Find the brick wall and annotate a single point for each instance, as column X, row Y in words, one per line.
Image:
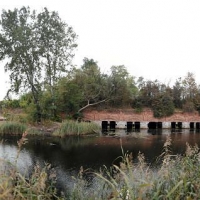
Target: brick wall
column 130, row 115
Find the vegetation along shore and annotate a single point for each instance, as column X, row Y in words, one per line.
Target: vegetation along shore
column 175, row 177
column 51, row 95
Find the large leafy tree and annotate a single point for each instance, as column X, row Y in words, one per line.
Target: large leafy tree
column 122, row 87
column 91, row 82
column 70, row 96
column 149, row 90
column 37, row 48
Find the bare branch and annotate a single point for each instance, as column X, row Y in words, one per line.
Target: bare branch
column 91, row 104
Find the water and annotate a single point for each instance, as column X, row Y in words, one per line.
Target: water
column 69, row 154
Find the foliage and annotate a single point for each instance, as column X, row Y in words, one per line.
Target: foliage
column 48, row 106
column 122, row 85
column 38, row 48
column 188, row 107
column 69, row 95
column 12, row 128
column 70, row 127
column 10, row 104
column 90, row 81
column 189, row 86
column 163, row 106
column 18, row 117
column 40, row 184
column 32, row 131
column 177, row 177
column 177, row 94
column 197, row 103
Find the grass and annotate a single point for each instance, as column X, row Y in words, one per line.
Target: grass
column 15, row 186
column 70, row 127
column 10, row 127
column 176, row 177
column 63, row 129
column 40, row 184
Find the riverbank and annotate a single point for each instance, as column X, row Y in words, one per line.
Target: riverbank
column 66, row 128
column 129, row 114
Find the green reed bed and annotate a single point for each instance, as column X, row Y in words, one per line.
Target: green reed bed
column 177, row 177
column 14, row 128
column 70, row 127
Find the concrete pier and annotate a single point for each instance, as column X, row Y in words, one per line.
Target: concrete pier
column 111, row 125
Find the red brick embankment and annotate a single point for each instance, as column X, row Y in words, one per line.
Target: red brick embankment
column 130, row 115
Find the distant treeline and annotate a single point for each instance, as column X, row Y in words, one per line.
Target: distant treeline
column 87, row 86
column 38, row 47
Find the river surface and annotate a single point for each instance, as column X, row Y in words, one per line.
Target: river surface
column 67, row 155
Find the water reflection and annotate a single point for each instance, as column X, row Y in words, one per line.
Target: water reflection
column 10, row 154
column 69, row 154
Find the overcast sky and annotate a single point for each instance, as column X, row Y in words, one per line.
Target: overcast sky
column 156, row 39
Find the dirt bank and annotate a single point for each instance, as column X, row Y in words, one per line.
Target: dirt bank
column 131, row 115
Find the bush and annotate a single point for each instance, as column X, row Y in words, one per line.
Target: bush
column 189, row 107
column 163, row 106
column 10, row 104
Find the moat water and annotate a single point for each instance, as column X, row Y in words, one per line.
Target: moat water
column 67, row 155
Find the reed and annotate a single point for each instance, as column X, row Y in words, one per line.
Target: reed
column 10, row 127
column 177, row 177
column 70, row 127
column 32, row 131
column 40, row 184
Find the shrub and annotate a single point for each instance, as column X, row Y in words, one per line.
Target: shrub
column 189, row 107
column 163, row 106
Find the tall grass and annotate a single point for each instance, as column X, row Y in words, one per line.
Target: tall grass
column 40, row 184
column 15, row 128
column 177, row 177
column 70, row 127
column 13, row 185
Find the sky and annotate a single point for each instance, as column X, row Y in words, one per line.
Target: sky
column 155, row 39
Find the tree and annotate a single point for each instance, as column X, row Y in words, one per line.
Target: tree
column 189, row 86
column 69, row 95
column 122, row 85
column 90, row 81
column 148, row 91
column 163, row 105
column 177, row 93
column 38, row 47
